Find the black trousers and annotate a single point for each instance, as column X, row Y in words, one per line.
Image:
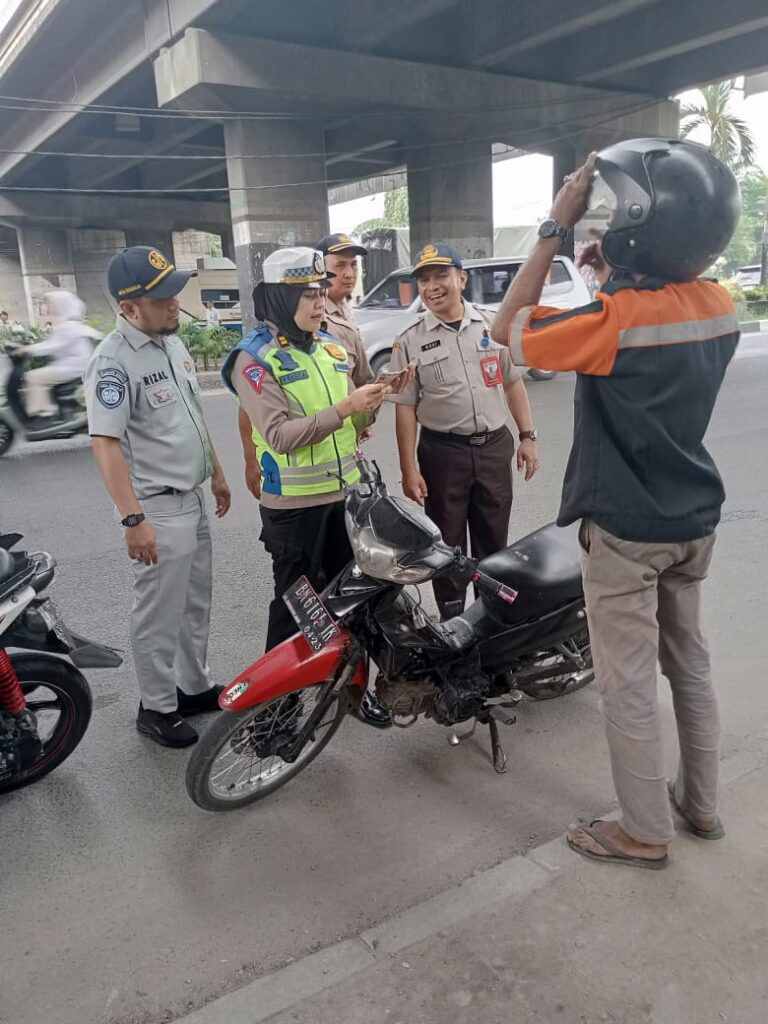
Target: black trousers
column 469, row 487
column 309, row 542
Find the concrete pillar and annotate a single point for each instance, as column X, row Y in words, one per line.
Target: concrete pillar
column 270, row 208
column 159, row 239
column 450, row 197
column 46, row 264
column 12, row 296
column 92, row 249
column 563, row 162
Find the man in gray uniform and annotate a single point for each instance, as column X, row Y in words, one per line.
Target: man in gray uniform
column 153, row 449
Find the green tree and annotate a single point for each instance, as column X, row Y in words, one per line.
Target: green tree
column 744, row 247
column 729, row 136
column 395, row 213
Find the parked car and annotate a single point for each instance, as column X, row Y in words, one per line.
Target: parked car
column 748, row 277
column 389, row 307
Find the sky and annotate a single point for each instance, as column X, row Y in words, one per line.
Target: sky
column 522, row 185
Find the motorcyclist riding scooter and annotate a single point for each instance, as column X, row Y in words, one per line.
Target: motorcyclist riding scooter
column 51, row 405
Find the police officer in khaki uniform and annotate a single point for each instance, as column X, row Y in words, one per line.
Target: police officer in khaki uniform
column 341, row 254
column 152, row 446
column 463, row 391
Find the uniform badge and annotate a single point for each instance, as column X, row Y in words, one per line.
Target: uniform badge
column 491, row 367
column 111, row 388
column 254, row 374
column 188, row 366
column 157, row 260
column 163, row 396
column 335, row 351
column 318, row 262
column 427, row 253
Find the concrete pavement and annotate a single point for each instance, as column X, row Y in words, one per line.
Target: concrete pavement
column 125, row 903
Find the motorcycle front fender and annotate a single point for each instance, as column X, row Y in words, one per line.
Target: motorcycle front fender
column 293, row 665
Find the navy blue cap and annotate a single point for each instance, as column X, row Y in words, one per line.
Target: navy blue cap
column 439, row 255
column 340, row 243
column 142, row 270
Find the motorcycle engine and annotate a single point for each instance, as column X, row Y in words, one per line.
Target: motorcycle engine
column 447, row 698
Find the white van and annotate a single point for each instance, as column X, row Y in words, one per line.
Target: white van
column 390, row 306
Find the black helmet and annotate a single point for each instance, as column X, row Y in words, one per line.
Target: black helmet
column 675, row 206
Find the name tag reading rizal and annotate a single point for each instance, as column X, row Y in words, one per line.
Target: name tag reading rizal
column 310, row 614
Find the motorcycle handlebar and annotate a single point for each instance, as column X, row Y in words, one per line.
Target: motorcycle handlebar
column 486, row 585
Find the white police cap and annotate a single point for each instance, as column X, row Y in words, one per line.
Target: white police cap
column 299, row 265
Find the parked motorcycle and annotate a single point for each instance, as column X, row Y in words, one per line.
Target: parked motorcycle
column 45, row 701
column 14, row 418
column 526, row 634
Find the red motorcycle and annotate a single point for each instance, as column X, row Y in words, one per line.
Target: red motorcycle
column 526, row 634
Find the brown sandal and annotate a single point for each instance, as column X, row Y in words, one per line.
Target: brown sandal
column 613, row 854
column 716, row 832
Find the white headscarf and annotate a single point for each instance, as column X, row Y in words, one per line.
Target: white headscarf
column 67, row 311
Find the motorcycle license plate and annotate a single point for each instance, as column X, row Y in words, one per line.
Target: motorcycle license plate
column 310, row 614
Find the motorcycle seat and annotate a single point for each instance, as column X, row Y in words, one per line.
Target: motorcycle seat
column 544, row 568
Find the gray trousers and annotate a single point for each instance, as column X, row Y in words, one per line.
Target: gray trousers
column 171, row 613
column 644, row 606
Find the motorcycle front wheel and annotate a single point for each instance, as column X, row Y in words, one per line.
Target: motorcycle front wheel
column 6, row 437
column 60, row 699
column 237, row 762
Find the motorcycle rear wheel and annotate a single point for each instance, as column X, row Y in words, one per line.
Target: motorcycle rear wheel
column 60, row 698
column 227, row 769
column 571, row 679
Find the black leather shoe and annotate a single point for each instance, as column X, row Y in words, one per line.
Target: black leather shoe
column 372, row 713
column 197, row 703
column 168, row 729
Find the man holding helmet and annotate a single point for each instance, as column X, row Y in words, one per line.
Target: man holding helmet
column 650, row 353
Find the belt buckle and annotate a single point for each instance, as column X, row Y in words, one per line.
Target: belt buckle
column 478, row 439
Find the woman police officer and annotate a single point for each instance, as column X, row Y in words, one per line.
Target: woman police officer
column 292, row 380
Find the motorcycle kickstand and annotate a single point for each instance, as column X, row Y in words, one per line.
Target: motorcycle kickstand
column 455, row 738
column 498, row 756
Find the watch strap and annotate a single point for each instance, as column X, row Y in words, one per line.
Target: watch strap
column 135, row 519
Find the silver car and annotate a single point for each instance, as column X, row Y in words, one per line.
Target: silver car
column 389, row 307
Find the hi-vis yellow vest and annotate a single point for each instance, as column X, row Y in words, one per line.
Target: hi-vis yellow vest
column 311, row 381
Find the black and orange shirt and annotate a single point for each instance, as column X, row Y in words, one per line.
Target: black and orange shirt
column 650, row 358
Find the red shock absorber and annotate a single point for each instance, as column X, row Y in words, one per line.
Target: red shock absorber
column 11, row 694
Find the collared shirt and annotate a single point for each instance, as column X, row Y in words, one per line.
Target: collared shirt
column 650, row 358
column 460, row 374
column 341, row 324
column 145, row 393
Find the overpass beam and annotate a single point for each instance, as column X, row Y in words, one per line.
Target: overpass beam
column 450, row 198
column 275, row 200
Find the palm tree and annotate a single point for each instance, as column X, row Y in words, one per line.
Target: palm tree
column 730, row 137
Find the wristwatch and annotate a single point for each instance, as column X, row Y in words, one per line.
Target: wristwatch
column 550, row 228
column 528, row 435
column 133, row 520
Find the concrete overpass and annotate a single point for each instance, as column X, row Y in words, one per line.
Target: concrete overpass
column 139, row 117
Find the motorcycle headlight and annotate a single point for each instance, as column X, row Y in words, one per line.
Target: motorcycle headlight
column 380, row 560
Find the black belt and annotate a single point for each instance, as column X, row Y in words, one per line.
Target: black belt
column 473, row 439
column 165, row 490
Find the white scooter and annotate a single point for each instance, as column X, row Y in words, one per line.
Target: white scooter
column 71, row 418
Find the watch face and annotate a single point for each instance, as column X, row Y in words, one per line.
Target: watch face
column 548, row 228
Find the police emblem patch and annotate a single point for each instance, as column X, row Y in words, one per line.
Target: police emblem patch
column 111, row 388
column 254, row 374
column 318, row 262
column 157, row 260
column 427, row 253
column 188, row 366
column 163, row 396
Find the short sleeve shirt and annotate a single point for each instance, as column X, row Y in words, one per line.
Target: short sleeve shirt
column 145, row 393
column 460, row 375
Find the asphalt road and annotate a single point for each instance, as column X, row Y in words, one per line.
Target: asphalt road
column 123, row 902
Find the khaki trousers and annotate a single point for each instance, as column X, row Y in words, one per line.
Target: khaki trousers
column 38, row 383
column 643, row 606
